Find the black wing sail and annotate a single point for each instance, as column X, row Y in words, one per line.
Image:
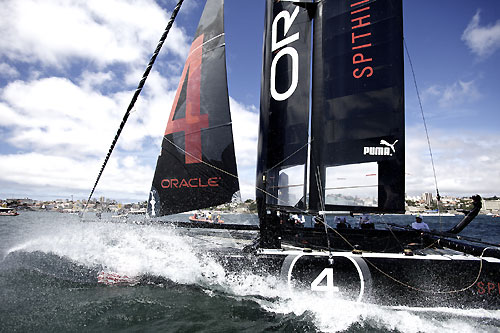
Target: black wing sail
column 197, row 165
column 284, row 105
column 357, row 149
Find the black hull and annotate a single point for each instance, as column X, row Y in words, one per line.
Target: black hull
column 374, row 240
column 454, row 281
column 210, row 225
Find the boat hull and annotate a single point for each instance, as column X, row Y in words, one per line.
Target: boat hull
column 385, row 279
column 11, row 213
column 204, row 220
column 374, row 240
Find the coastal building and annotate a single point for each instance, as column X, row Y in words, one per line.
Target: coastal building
column 491, row 206
column 427, row 197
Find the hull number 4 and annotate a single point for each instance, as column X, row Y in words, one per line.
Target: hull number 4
column 328, row 288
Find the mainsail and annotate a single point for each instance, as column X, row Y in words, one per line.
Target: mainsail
column 197, row 166
column 284, row 104
column 355, row 159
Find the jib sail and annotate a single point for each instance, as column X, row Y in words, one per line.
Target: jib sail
column 197, row 166
column 355, row 160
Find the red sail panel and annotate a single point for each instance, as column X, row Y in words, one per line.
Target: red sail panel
column 197, row 165
column 193, row 122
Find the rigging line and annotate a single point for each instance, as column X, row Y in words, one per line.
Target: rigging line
column 322, row 204
column 289, row 156
column 347, row 187
column 200, row 160
column 317, row 176
column 433, row 291
column 224, row 171
column 392, row 232
column 183, row 133
column 288, row 186
column 341, row 236
column 136, row 95
column 418, row 289
column 431, row 245
column 423, row 118
column 303, row 211
column 206, row 42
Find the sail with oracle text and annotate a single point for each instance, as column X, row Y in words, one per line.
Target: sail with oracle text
column 197, row 165
column 332, row 139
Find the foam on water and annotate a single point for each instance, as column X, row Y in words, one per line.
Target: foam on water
column 334, row 315
column 125, row 249
column 137, row 250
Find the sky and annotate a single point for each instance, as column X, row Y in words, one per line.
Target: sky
column 68, row 69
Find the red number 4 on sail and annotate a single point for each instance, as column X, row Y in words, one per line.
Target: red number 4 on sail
column 192, row 124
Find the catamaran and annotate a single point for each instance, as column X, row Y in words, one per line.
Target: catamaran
column 331, row 141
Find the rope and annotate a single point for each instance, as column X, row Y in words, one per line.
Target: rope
column 322, row 204
column 405, row 284
column 289, row 156
column 424, row 121
column 221, row 170
column 340, row 235
column 392, row 232
column 136, row 95
column 343, row 238
column 432, row 291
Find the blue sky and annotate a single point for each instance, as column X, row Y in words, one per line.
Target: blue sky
column 69, row 68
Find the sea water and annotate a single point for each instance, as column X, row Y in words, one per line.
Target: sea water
column 49, row 264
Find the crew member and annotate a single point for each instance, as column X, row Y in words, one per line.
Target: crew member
column 419, row 224
column 342, row 223
column 318, row 221
column 366, row 223
column 296, row 220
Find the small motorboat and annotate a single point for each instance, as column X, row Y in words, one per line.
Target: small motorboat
column 206, row 217
column 6, row 211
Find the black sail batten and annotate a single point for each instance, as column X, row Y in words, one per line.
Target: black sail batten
column 197, row 165
column 284, row 105
column 358, row 106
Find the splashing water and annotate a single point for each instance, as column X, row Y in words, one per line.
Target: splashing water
column 155, row 250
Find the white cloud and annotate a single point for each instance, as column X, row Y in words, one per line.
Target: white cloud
column 65, row 174
column 91, row 80
column 69, row 147
column 54, row 115
column 245, row 132
column 466, row 163
column 62, row 125
column 69, row 127
column 483, row 41
column 8, row 71
column 454, row 94
column 56, row 32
